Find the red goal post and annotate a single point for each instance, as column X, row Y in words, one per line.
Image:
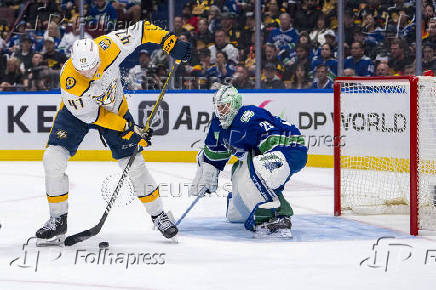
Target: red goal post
column 384, row 158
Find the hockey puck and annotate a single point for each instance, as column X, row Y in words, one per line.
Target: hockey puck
column 103, row 245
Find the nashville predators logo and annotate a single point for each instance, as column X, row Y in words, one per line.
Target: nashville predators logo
column 70, row 82
column 105, row 43
column 61, row 134
column 108, row 97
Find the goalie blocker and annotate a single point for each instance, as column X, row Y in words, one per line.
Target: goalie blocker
column 269, row 150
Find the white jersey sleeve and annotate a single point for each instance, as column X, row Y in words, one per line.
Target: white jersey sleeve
column 84, row 108
column 133, row 36
column 100, row 100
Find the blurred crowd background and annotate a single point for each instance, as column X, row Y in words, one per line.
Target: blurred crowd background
column 299, row 43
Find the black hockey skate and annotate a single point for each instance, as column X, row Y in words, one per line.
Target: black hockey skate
column 165, row 225
column 276, row 227
column 53, row 232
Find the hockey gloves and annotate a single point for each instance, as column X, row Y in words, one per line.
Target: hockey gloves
column 137, row 134
column 178, row 49
column 206, row 176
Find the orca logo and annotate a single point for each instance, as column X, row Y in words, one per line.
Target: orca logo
column 160, row 123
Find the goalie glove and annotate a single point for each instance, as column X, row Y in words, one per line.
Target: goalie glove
column 177, row 48
column 137, row 134
column 206, row 176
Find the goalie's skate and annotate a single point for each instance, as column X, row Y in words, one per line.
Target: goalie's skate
column 278, row 227
column 165, row 225
column 53, row 232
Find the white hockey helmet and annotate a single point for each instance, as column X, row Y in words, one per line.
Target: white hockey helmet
column 85, row 55
column 227, row 102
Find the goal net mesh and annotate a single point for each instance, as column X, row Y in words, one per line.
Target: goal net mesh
column 375, row 148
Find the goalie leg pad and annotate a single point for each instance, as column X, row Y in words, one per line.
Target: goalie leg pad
column 272, row 168
column 144, row 185
column 276, row 167
column 265, row 212
column 56, row 181
column 250, row 203
column 245, row 194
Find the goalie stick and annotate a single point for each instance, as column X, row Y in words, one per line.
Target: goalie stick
column 200, row 195
column 86, row 234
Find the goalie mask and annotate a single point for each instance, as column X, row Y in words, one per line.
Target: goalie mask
column 227, row 102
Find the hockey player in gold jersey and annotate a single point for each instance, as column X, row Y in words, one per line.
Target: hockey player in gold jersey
column 93, row 98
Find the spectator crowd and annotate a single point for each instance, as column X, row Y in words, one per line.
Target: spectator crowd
column 299, row 41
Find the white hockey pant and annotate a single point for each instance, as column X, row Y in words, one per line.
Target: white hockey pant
column 57, row 185
column 144, row 185
column 56, row 181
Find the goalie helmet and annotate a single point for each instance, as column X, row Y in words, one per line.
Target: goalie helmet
column 85, row 55
column 227, row 102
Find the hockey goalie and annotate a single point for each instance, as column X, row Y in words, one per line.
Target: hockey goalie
column 93, row 98
column 269, row 150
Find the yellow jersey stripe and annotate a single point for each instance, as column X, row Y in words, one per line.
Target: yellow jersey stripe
column 109, row 52
column 57, row 199
column 72, row 81
column 151, row 197
column 152, row 33
column 123, row 108
column 110, row 120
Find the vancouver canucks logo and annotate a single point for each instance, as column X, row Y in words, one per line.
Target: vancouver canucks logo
column 271, row 162
column 70, row 82
column 105, row 43
column 247, row 116
column 229, row 147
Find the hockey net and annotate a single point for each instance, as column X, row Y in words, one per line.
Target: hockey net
column 385, row 156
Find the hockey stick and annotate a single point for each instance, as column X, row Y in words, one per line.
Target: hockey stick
column 200, row 195
column 86, row 234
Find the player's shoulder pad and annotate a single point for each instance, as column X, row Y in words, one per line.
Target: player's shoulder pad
column 248, row 114
column 72, row 81
column 109, row 52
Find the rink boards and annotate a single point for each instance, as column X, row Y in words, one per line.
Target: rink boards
column 179, row 126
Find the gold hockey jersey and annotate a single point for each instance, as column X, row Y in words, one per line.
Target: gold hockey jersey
column 100, row 100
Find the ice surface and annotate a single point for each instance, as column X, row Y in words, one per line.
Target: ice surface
column 327, row 252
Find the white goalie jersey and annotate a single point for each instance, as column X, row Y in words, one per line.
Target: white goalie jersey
column 100, row 100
